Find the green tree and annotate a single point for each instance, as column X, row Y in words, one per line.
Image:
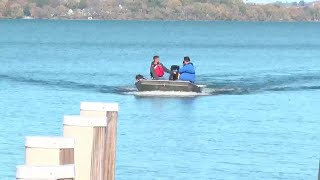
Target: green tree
column 155, row 3
column 173, row 4
column 82, row 4
column 15, row 10
column 40, row 3
column 302, row 3
column 3, row 7
column 72, row 4
column 26, row 10
column 54, row 3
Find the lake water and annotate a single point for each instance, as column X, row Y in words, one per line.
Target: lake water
column 257, row 118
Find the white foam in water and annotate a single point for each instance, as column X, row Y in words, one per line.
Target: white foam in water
column 202, row 86
column 204, row 92
column 166, row 94
column 130, row 88
column 216, row 91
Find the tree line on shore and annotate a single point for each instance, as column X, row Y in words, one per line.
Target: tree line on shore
column 235, row 10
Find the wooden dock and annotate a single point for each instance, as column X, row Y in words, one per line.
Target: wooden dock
column 86, row 151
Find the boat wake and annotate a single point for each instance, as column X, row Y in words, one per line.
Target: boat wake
column 224, row 84
column 205, row 91
column 165, row 94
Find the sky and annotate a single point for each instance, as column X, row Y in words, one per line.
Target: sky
column 269, row 1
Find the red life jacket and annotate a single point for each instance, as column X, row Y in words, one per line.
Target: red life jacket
column 158, row 69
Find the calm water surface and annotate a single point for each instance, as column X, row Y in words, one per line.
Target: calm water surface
column 258, row 117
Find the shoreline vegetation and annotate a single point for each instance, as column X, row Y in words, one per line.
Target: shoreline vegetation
column 228, row 10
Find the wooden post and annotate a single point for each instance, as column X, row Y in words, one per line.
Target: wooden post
column 110, row 111
column 319, row 171
column 47, row 151
column 61, row 172
column 90, row 145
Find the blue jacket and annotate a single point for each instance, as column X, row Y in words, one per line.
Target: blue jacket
column 187, row 73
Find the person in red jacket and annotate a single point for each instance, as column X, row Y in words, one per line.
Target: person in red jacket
column 157, row 69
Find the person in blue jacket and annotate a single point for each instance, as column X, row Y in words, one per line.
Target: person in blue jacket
column 187, row 72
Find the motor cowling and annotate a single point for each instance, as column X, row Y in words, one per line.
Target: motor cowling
column 175, row 72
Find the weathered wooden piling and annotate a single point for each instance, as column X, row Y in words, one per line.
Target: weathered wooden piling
column 86, row 152
column 319, row 171
column 48, row 151
column 90, row 145
column 61, row 172
column 110, row 111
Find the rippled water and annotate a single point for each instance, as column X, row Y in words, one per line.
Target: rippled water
column 257, row 117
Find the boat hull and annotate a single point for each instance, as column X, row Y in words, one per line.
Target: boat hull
column 166, row 85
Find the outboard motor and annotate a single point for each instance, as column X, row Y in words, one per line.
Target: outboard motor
column 139, row 77
column 174, row 68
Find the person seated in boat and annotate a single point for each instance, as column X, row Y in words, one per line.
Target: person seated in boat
column 157, row 69
column 187, row 72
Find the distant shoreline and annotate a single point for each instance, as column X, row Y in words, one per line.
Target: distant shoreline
column 150, row 20
column 160, row 10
